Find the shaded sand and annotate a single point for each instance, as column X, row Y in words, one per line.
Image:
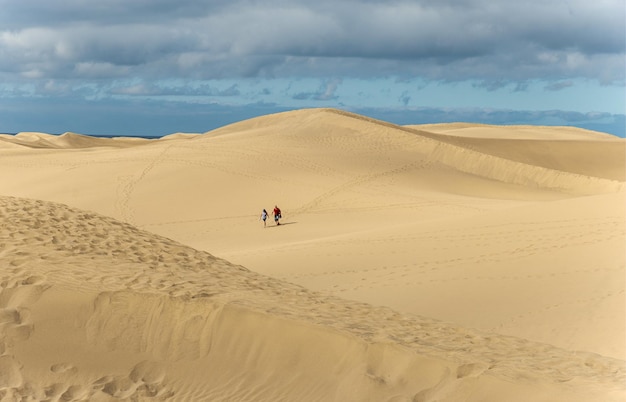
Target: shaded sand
column 512, row 240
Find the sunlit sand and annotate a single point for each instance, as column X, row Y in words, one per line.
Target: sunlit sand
column 421, row 263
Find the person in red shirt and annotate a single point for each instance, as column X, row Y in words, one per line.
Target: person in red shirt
column 277, row 214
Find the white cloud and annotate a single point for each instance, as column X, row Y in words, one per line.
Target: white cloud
column 32, row 73
column 96, row 70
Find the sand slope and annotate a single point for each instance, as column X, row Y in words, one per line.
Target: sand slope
column 568, row 149
column 94, row 309
column 522, row 236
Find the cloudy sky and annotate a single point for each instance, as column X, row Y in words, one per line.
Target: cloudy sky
column 153, row 67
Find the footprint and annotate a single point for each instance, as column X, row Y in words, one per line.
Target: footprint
column 76, row 393
column 147, row 372
column 9, row 316
column 471, row 370
column 63, row 368
column 10, row 373
column 121, row 388
column 33, row 280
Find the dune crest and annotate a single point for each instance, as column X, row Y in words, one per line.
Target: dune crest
column 168, row 313
column 487, row 159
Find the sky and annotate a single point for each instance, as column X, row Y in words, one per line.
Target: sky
column 155, row 67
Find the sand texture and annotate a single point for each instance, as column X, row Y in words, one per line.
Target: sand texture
column 454, row 262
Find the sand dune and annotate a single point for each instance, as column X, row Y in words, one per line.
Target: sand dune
column 563, row 149
column 67, row 141
column 511, row 240
column 514, row 132
column 93, row 308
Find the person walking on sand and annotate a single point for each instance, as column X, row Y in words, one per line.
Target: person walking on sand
column 277, row 214
column 264, row 216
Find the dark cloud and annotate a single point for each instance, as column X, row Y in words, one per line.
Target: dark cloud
column 456, row 40
column 303, row 96
column 34, row 13
column 325, row 92
column 557, row 86
column 148, row 90
column 405, row 98
column 491, row 85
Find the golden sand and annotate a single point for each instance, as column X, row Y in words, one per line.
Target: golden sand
column 455, row 262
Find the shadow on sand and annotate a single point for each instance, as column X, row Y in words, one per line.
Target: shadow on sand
column 282, row 224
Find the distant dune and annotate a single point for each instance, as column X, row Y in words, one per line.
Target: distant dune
column 514, row 132
column 413, row 263
column 66, row 141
